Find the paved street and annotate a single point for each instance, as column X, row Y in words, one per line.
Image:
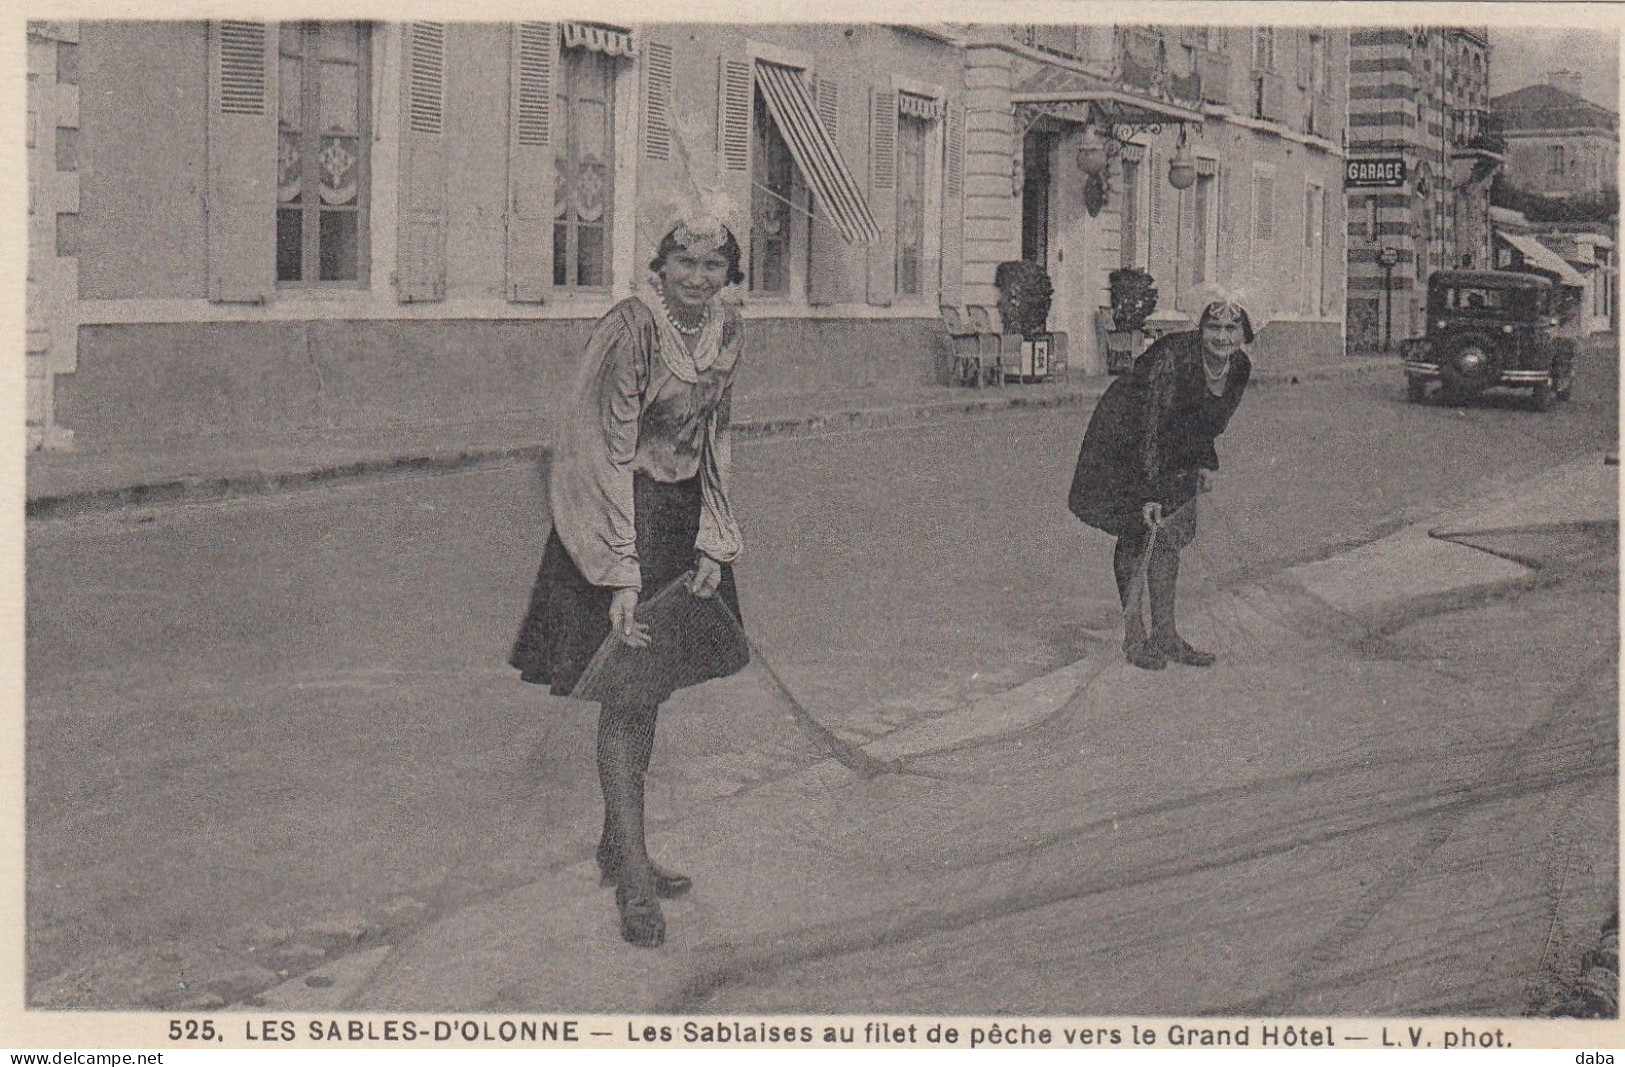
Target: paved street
column 267, row 734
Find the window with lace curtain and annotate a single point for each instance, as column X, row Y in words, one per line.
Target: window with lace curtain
column 584, row 165
column 323, row 112
column 911, row 145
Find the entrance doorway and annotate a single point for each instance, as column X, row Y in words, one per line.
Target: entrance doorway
column 1036, row 151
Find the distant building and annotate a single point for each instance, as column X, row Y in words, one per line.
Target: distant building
column 1419, row 95
column 1558, row 143
column 1578, row 258
column 1097, row 116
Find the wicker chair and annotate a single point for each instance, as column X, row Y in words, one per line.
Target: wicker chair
column 967, row 349
column 994, row 343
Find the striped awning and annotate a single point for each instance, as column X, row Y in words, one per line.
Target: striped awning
column 919, row 107
column 1542, row 258
column 594, row 38
column 815, row 152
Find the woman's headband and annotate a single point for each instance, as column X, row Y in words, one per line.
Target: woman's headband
column 701, row 235
column 1225, row 312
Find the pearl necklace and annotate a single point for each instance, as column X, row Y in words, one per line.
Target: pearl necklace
column 676, row 323
column 1215, row 382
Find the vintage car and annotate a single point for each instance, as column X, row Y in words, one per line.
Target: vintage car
column 1491, row 328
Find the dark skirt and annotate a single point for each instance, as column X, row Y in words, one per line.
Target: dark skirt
column 568, row 618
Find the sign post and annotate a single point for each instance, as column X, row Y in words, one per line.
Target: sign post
column 1388, row 257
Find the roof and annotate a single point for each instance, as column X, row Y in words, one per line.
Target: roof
column 1546, row 107
column 1542, row 258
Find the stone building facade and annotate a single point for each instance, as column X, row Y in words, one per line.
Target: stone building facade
column 1418, row 94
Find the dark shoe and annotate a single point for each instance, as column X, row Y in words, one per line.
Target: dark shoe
column 669, row 885
column 1180, row 650
column 1144, row 655
column 641, row 922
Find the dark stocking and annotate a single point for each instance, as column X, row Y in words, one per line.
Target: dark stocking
column 625, row 741
column 1161, row 577
column 626, row 737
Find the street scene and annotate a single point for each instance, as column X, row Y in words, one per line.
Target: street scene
column 294, row 465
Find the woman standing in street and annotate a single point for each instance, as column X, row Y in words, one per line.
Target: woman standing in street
column 1146, row 455
column 639, row 495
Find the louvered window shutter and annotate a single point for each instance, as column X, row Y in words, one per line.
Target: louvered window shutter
column 420, row 271
column 657, row 102
column 1156, row 237
column 953, row 208
column 736, row 89
column 883, row 193
column 1265, row 229
column 242, row 166
column 533, row 61
column 1154, row 159
column 827, row 263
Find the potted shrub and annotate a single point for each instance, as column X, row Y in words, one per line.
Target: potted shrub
column 1025, row 295
column 1133, row 299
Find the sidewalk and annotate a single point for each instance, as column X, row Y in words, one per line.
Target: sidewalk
column 62, row 484
column 1308, row 828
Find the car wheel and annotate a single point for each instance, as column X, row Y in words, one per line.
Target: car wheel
column 1416, row 390
column 1544, row 397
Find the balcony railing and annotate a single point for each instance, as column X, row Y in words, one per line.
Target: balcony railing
column 1137, row 58
column 1476, row 131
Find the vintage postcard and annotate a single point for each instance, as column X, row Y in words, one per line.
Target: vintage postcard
column 569, row 525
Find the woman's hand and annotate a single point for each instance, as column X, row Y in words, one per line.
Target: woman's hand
column 1152, row 513
column 707, row 576
column 1204, row 481
column 623, row 621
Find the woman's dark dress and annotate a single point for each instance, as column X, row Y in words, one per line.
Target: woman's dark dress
column 1151, row 433
column 632, row 412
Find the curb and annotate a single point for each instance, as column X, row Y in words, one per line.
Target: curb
column 190, row 489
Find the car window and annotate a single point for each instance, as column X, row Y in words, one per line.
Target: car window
column 1484, row 298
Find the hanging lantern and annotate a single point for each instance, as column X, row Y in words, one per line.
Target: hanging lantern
column 1094, row 193
column 1182, row 168
column 1092, row 155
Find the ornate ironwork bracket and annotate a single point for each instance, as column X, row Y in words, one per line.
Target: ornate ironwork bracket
column 1092, row 114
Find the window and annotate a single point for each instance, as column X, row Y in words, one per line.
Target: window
column 911, row 153
column 1263, row 203
column 778, row 208
column 1264, row 48
column 322, row 153
column 1554, row 162
column 1037, row 148
column 584, row 162
column 1202, row 220
column 1317, row 63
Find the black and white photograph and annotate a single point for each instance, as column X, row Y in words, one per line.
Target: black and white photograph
column 792, row 531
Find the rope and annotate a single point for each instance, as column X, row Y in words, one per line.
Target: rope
column 850, row 755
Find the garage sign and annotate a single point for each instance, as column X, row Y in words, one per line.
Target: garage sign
column 1383, row 173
